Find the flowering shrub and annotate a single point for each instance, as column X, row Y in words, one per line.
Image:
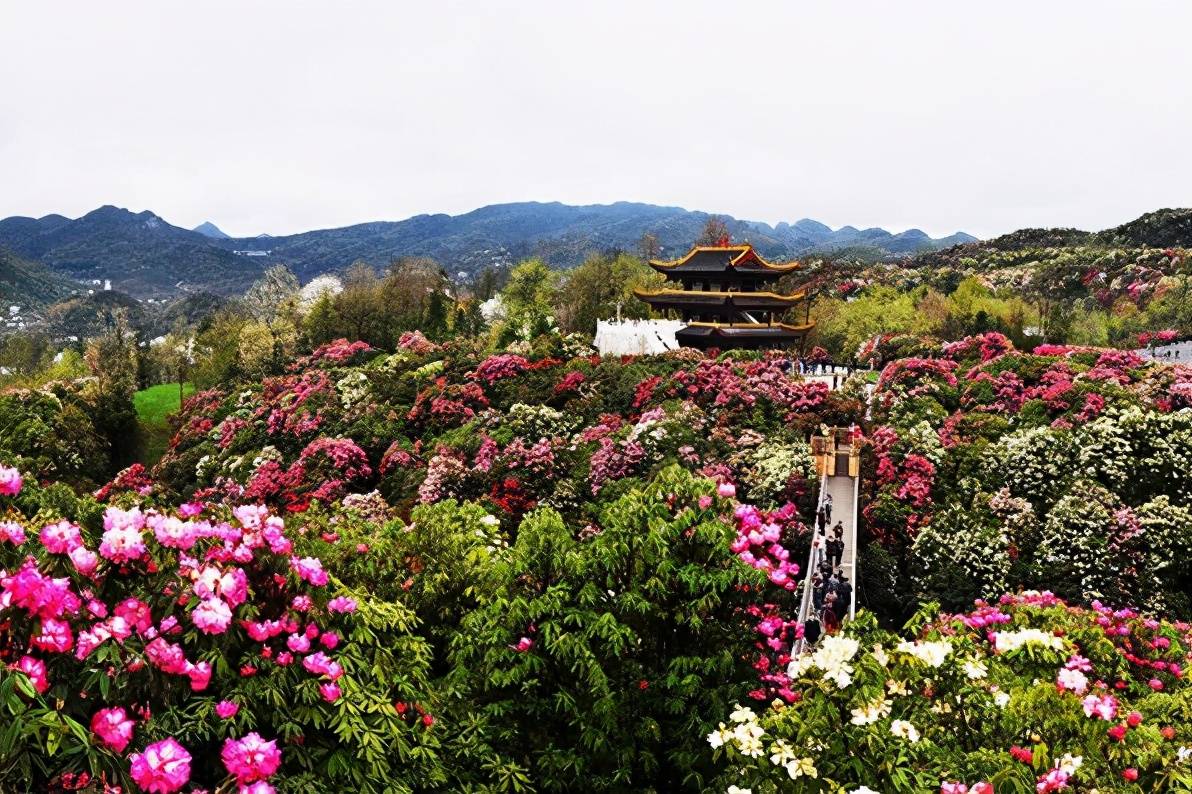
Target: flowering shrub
column 1025, row 693
column 137, row 622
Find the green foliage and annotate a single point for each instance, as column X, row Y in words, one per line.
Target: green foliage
column 633, row 630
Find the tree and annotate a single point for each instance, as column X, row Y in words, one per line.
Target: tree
column 113, row 359
column 649, row 247
column 360, row 306
column 276, row 287
column 715, row 231
column 255, row 348
column 322, row 322
column 434, row 323
column 487, row 283
column 600, row 287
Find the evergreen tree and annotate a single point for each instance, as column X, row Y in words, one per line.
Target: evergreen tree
column 322, row 322
column 434, row 322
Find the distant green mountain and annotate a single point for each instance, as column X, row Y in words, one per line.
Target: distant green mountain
column 139, row 252
column 145, row 256
column 31, row 285
column 209, row 229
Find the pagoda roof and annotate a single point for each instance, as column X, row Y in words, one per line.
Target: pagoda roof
column 742, row 300
column 721, row 258
column 740, row 334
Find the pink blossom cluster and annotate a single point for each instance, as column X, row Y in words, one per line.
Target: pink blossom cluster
column 10, row 481
column 500, row 366
column 961, row 788
column 251, row 758
column 613, row 461
column 338, row 351
column 288, row 403
column 416, row 342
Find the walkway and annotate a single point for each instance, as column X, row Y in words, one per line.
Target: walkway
column 843, row 489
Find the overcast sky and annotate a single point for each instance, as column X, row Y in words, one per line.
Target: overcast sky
column 286, row 116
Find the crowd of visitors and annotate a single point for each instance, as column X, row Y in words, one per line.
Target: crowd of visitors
column 831, row 591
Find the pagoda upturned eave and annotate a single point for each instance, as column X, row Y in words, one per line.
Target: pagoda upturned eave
column 720, row 259
column 698, row 299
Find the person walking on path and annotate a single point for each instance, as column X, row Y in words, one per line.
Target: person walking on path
column 828, row 618
column 835, row 551
column 827, row 509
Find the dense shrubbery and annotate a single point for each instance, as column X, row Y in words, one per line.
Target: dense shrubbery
column 1064, row 469
column 1026, row 694
column 558, row 590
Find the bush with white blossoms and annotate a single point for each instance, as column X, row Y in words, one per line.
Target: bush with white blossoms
column 1022, row 694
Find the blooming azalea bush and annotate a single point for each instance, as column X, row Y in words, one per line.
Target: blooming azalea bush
column 1060, row 469
column 191, row 647
column 1024, row 694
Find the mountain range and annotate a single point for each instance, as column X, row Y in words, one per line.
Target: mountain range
column 147, row 257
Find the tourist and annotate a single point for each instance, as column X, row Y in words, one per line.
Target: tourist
column 827, row 509
column 844, row 595
column 835, row 551
column 828, row 616
column 811, row 630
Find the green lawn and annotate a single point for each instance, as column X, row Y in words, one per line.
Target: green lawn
column 154, row 406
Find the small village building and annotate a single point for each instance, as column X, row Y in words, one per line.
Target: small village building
column 722, row 295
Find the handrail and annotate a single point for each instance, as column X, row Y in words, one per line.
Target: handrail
column 812, row 562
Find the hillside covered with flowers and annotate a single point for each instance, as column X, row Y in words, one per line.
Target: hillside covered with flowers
column 439, row 568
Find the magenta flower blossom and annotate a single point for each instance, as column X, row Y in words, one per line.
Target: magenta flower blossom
column 330, row 691
column 61, row 537
column 251, row 758
column 85, row 561
column 211, row 616
column 122, row 543
column 341, row 604
column 726, row 490
column 199, row 674
column 36, row 670
column 226, row 709
column 163, row 768
column 309, row 569
column 12, row 532
column 113, row 727
column 10, row 481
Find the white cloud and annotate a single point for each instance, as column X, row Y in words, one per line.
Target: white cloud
column 285, row 116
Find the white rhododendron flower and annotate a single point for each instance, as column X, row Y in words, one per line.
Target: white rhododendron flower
column 871, row 712
column 975, row 669
column 904, row 730
column 1005, row 641
column 930, row 653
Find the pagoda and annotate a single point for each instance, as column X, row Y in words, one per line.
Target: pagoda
column 720, row 292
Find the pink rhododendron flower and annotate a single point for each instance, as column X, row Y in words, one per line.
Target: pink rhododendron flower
column 61, row 537
column 36, row 670
column 1104, row 706
column 298, row 643
column 173, row 532
column 211, row 616
column 113, row 727
column 12, row 532
column 309, row 569
column 10, row 481
column 199, row 674
column 55, row 636
column 122, row 543
column 341, row 604
column 251, row 758
column 85, row 561
column 726, row 490
column 226, row 709
column 260, row 787
column 163, row 768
